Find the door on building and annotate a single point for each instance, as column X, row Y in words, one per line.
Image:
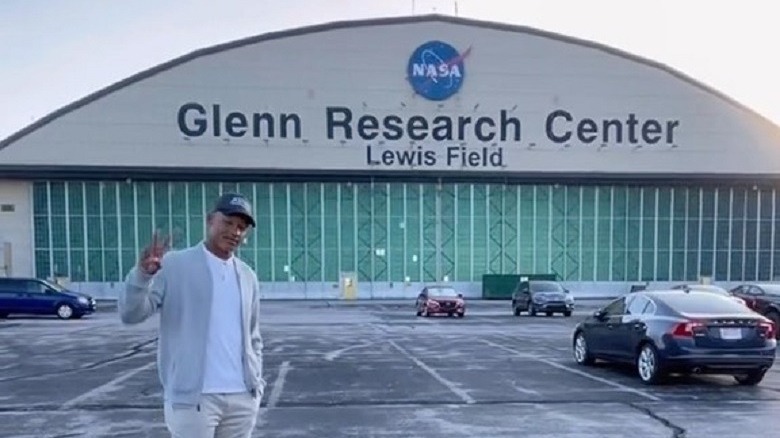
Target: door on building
column 349, row 286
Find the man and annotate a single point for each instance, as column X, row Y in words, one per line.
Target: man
column 210, row 347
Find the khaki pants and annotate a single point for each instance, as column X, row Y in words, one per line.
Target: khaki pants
column 216, row 416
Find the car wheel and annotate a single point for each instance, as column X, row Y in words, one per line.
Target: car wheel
column 567, row 314
column 548, row 313
column 64, row 311
column 3, row 315
column 648, row 365
column 531, row 309
column 419, row 312
column 581, row 352
column 751, row 379
column 461, row 315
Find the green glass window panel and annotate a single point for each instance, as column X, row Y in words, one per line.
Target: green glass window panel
column 633, row 233
column 76, row 227
column 381, row 228
column 509, row 230
column 396, row 230
column 739, row 205
column 261, row 236
column 330, row 232
column 144, row 231
column 572, row 233
column 43, row 268
column 619, row 233
column 447, row 240
column 348, row 231
column 364, row 237
column 429, row 238
column 160, row 201
column 526, row 229
column 480, row 230
column 61, row 267
column 557, row 242
column 110, row 236
column 75, row 198
column 41, row 227
column 144, row 195
column 764, row 266
column 314, row 232
column 230, row 187
column 664, row 225
column 280, row 240
column 196, row 211
column 127, row 220
column 211, row 192
column 57, row 198
column 297, row 224
column 40, row 198
column 588, row 258
column 664, row 273
column 129, row 259
column 111, row 258
column 463, row 234
column 542, row 217
column 603, row 238
column 78, row 268
column 58, row 232
column 95, row 264
column 179, row 213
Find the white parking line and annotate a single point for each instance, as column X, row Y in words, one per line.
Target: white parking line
column 332, row 355
column 276, row 391
column 573, row 371
column 450, row 385
column 106, row 387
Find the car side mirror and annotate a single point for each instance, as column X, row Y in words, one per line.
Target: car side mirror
column 599, row 314
column 460, row 295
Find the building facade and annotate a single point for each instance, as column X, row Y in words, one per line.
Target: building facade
column 385, row 154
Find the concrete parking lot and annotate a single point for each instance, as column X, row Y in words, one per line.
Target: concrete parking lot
column 371, row 370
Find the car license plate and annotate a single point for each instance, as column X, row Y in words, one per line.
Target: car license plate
column 731, row 333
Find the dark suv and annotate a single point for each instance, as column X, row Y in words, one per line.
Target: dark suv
column 542, row 296
column 763, row 298
column 32, row 296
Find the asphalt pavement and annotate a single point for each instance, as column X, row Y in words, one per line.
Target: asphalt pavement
column 371, row 369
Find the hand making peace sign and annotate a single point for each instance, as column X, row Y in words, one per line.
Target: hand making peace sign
column 151, row 256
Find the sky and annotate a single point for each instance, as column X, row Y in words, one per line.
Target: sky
column 54, row 52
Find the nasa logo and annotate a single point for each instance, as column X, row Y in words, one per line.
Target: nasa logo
column 436, row 70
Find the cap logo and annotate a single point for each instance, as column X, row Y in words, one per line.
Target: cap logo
column 240, row 202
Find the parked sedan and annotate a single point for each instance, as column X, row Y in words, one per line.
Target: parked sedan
column 764, row 298
column 440, row 300
column 548, row 297
column 711, row 288
column 32, row 296
column 663, row 332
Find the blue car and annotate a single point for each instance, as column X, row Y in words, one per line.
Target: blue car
column 32, row 296
column 679, row 331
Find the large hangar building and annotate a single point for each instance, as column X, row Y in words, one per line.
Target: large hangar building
column 384, row 154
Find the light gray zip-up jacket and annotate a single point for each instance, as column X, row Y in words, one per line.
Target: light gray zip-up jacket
column 181, row 290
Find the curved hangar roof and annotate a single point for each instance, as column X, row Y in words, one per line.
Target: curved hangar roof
column 428, row 95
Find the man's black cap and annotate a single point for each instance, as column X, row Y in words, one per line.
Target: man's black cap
column 233, row 204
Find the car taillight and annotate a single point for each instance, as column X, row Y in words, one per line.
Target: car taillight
column 686, row 329
column 767, row 328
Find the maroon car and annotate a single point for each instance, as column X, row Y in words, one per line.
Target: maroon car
column 763, row 298
column 440, row 300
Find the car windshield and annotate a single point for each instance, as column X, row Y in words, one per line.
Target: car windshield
column 442, row 292
column 702, row 303
column 546, row 286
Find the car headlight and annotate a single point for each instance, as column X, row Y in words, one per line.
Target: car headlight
column 83, row 301
column 569, row 299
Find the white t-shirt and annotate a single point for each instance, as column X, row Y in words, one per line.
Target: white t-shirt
column 224, row 371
